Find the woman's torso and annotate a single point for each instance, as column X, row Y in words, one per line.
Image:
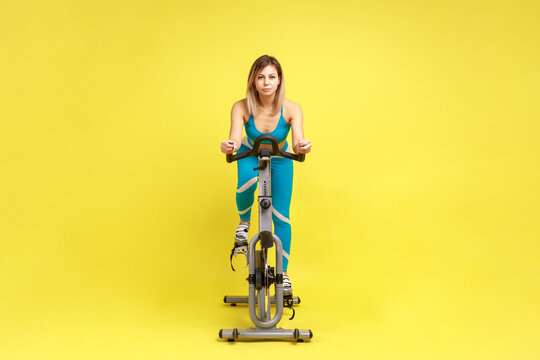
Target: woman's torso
column 275, row 125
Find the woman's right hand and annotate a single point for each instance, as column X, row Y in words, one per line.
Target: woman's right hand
column 228, row 146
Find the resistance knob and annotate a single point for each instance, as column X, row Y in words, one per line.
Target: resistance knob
column 265, row 203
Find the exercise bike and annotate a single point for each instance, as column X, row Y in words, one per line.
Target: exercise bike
column 261, row 275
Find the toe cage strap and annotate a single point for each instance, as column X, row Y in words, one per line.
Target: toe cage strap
column 232, row 254
column 238, row 249
column 289, row 304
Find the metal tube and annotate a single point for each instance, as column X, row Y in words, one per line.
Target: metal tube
column 239, row 299
column 283, row 334
column 257, row 320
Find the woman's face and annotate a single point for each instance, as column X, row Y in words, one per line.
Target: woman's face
column 267, row 81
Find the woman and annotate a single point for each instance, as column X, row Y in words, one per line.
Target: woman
column 265, row 110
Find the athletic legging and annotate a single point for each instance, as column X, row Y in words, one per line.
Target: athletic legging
column 282, row 180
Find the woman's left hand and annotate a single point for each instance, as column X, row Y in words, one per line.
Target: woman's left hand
column 304, row 146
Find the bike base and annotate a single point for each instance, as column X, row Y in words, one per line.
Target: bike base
column 233, row 300
column 298, row 335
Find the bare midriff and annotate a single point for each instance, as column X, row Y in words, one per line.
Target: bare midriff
column 269, row 146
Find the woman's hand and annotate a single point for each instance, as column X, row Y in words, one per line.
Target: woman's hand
column 304, row 146
column 228, row 146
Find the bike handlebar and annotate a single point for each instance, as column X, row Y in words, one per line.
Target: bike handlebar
column 274, row 151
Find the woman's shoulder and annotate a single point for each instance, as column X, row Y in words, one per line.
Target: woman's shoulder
column 240, row 107
column 291, row 104
column 291, row 109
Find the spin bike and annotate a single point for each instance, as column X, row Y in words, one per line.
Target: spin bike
column 261, row 275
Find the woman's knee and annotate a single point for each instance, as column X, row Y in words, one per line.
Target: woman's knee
column 281, row 220
column 246, row 184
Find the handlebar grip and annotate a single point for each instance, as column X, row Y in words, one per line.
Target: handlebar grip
column 231, row 157
column 299, row 157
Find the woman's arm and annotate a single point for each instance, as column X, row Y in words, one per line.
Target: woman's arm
column 235, row 134
column 300, row 145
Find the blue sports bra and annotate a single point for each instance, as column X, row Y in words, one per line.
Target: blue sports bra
column 280, row 132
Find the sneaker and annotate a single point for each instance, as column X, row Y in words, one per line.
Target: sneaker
column 287, row 287
column 241, row 237
column 240, row 241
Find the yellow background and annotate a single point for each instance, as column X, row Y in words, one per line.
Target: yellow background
column 415, row 217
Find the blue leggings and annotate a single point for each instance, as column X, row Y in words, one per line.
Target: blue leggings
column 282, row 180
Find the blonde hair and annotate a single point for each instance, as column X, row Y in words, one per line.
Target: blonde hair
column 252, row 95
